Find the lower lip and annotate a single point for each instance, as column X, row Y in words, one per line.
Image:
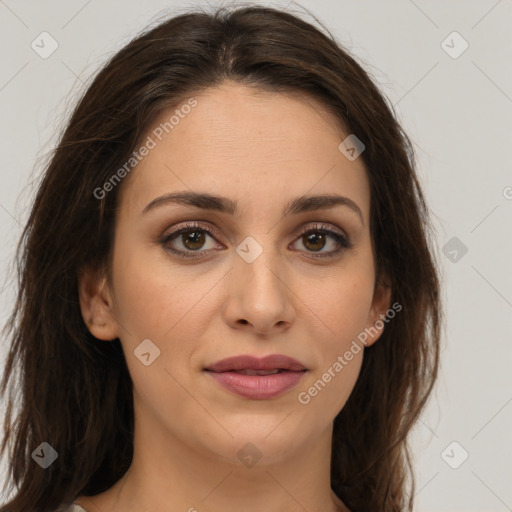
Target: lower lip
column 257, row 387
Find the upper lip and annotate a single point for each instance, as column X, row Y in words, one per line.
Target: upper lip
column 248, row 362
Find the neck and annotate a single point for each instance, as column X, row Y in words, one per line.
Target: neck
column 166, row 474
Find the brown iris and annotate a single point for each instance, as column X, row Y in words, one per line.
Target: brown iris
column 313, row 239
column 193, row 239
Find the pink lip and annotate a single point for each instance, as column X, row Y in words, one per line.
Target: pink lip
column 257, row 387
column 247, row 362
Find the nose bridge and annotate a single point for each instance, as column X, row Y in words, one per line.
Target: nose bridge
column 258, row 292
column 258, row 261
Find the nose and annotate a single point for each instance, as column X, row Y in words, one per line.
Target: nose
column 258, row 298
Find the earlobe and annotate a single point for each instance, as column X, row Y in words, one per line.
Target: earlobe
column 96, row 305
column 380, row 306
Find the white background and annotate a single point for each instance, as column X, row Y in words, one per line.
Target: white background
column 457, row 112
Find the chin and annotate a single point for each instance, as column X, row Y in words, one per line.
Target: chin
column 268, row 443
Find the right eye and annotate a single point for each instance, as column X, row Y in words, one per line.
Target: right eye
column 191, row 237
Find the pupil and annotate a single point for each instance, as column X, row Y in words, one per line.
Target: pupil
column 314, row 238
column 195, row 238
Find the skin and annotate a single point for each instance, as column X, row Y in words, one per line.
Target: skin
column 262, row 150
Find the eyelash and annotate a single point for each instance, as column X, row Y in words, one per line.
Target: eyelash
column 340, row 239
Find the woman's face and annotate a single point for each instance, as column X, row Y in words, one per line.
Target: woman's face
column 259, row 283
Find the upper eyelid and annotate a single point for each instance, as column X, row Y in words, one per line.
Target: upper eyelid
column 318, row 226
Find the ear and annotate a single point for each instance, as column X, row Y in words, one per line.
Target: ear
column 96, row 304
column 380, row 305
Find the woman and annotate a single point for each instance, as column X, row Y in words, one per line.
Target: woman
column 228, row 297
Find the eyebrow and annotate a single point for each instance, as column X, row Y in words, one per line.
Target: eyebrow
column 225, row 205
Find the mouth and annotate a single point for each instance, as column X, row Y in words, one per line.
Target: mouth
column 257, row 379
column 250, row 371
column 273, row 363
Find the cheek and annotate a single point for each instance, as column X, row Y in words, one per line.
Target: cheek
column 324, row 395
column 341, row 305
column 151, row 301
column 340, row 354
column 169, row 306
column 338, row 311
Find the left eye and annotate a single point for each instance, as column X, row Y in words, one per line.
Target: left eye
column 317, row 239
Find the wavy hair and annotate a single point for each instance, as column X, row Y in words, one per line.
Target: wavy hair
column 76, row 393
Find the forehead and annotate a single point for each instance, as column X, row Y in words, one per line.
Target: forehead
column 254, row 146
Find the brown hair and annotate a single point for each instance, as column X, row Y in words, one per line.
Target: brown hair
column 76, row 393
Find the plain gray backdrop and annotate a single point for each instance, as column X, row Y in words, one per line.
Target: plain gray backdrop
column 446, row 67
